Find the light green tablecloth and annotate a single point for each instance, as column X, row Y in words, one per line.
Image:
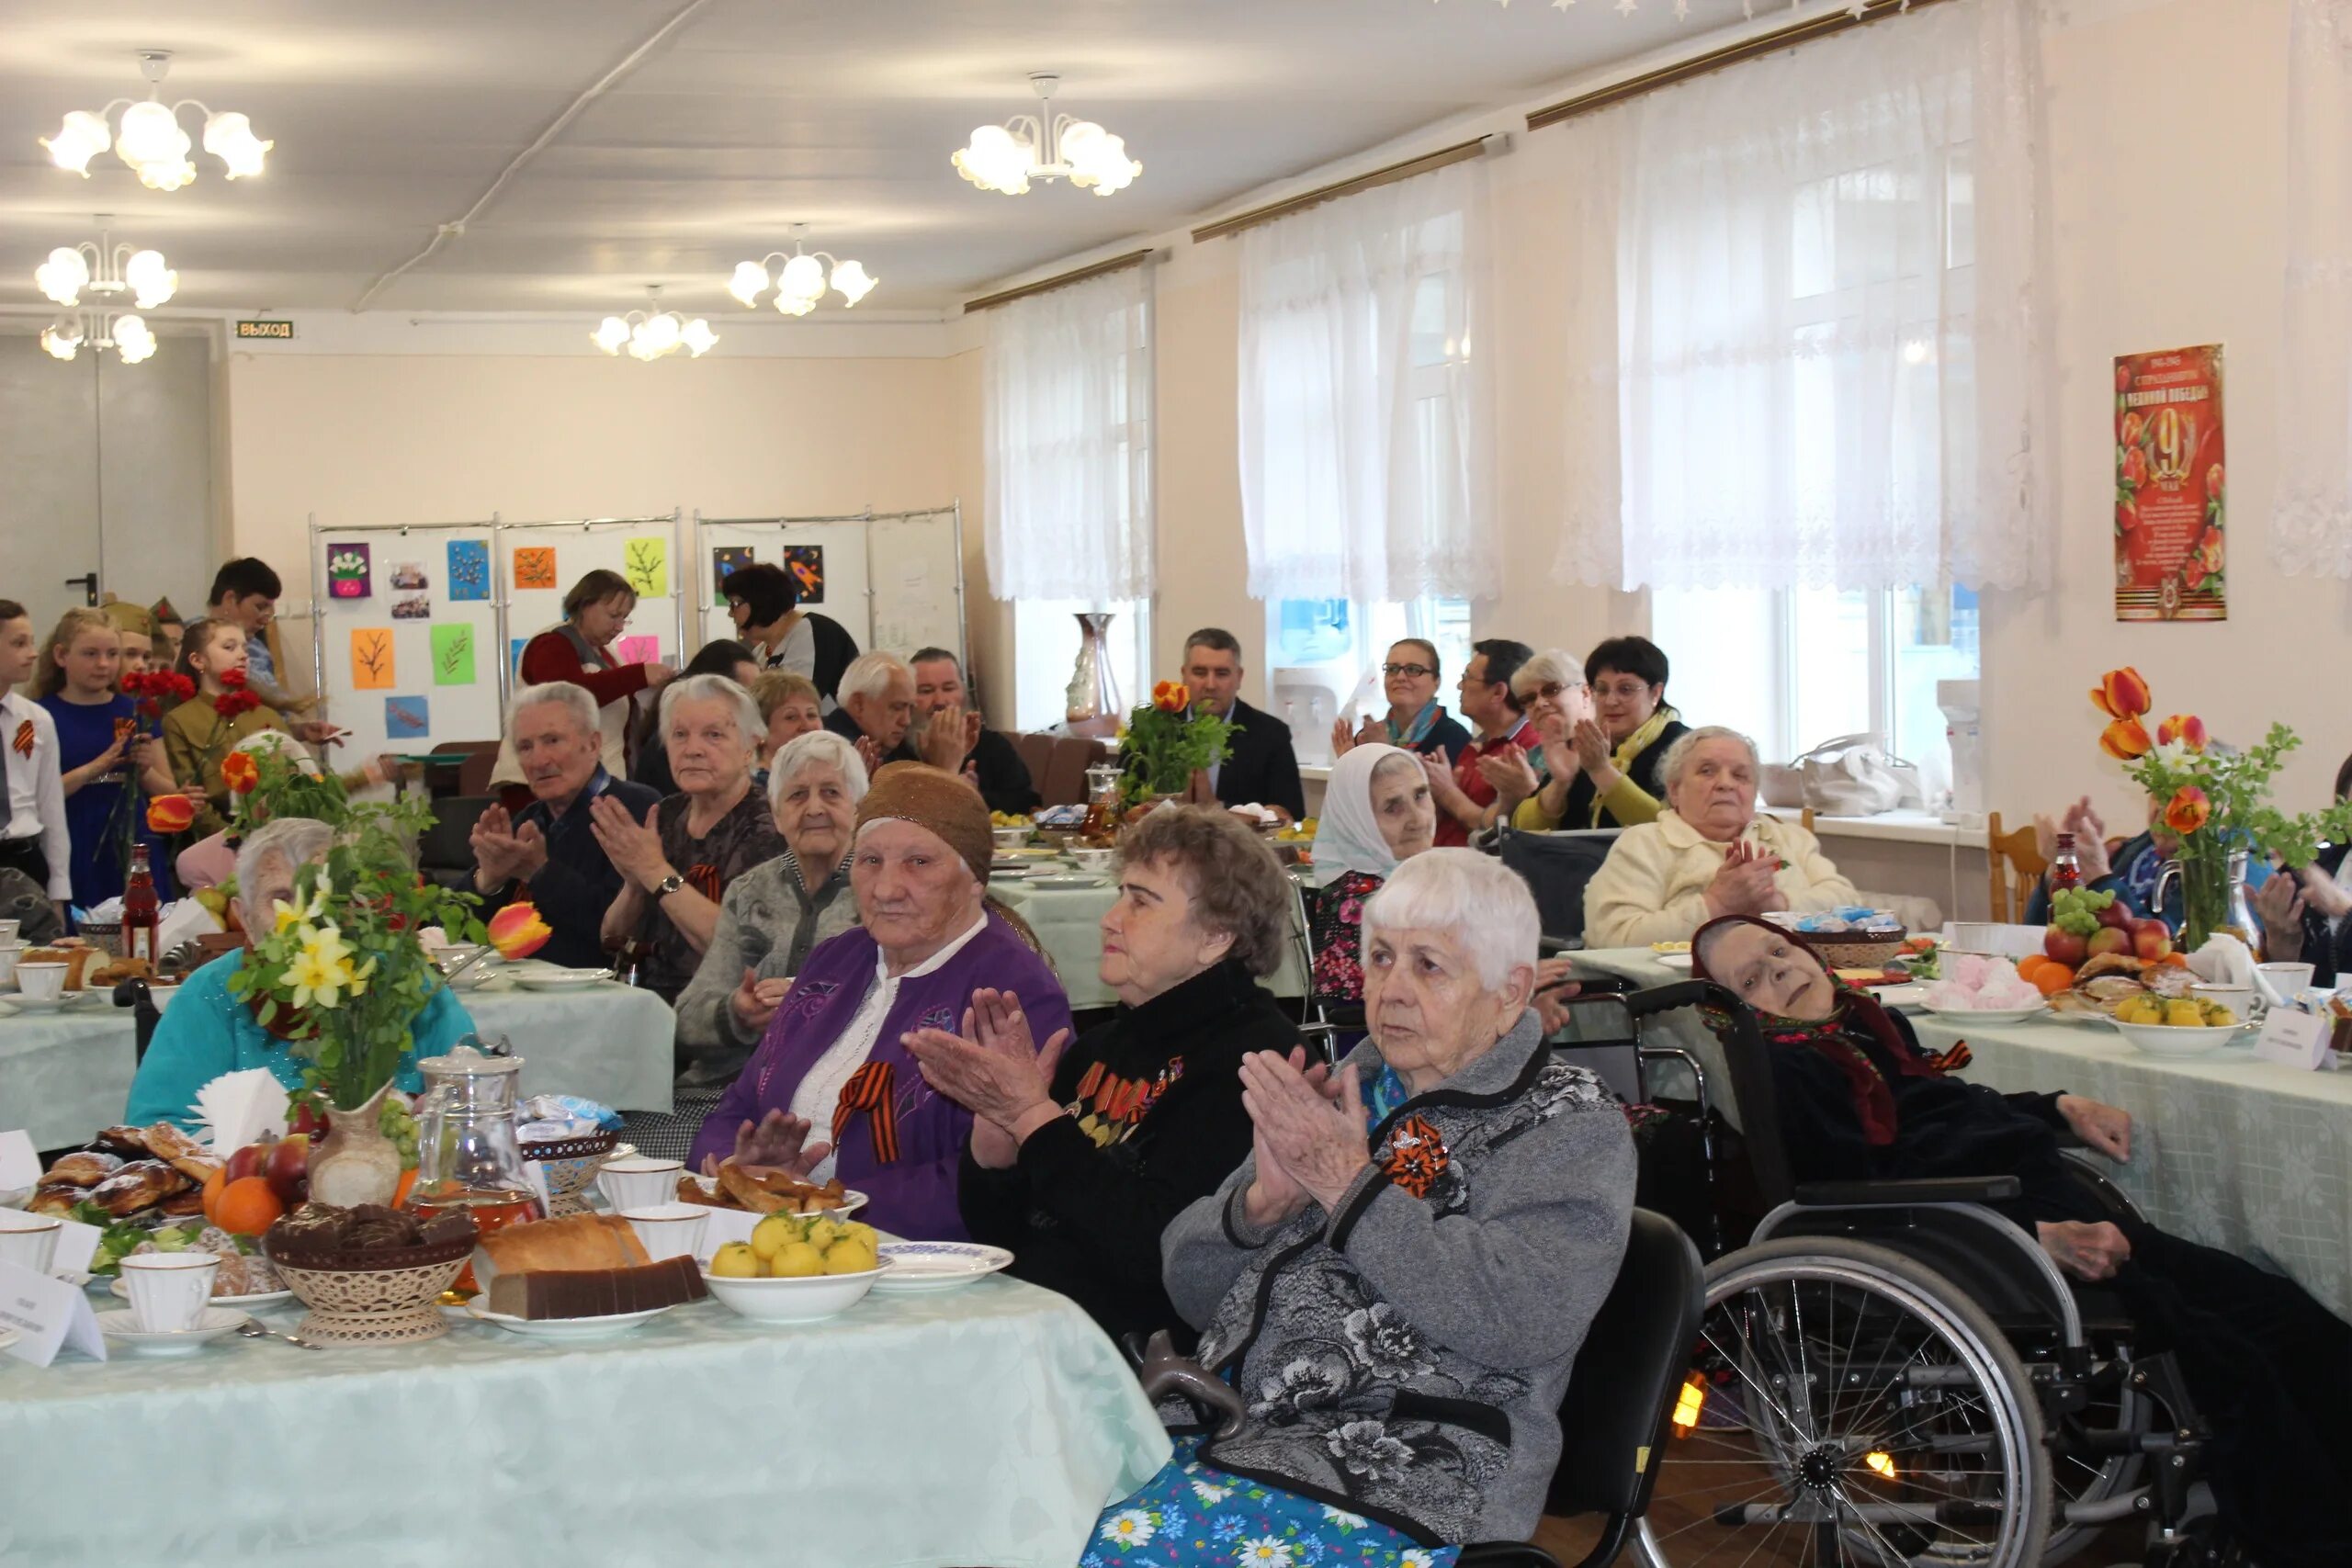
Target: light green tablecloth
column 63, row 1076
column 1069, row 923
column 988, row 1426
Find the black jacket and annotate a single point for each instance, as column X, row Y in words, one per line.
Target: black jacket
column 1263, row 768
column 578, row 883
column 2328, row 953
column 1155, row 1121
column 841, row 724
column 1005, row 778
column 835, row 648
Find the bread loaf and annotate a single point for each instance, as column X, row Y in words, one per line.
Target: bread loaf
column 574, row 1242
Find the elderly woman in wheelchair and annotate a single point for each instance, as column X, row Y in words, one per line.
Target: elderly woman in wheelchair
column 1867, row 1360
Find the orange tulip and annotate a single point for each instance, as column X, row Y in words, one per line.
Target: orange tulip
column 240, row 772
column 170, row 814
column 2122, row 694
column 2126, row 740
column 1171, row 696
column 2185, row 727
column 2188, row 811
column 517, row 931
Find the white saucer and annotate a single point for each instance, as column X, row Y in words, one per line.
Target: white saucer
column 1673, row 960
column 1066, row 879
column 121, row 1325
column 554, row 979
column 23, row 1003
column 1987, row 1016
column 263, row 1299
column 924, row 1268
column 564, row 1327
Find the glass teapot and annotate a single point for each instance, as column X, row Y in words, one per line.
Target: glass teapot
column 467, row 1155
column 1102, row 823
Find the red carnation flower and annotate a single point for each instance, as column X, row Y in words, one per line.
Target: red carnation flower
column 234, row 680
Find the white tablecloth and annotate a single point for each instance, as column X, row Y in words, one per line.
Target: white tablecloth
column 1069, row 923
column 63, row 1076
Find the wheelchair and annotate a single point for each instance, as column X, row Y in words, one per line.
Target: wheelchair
column 1891, row 1372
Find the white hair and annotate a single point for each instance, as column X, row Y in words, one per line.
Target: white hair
column 296, row 840
column 818, row 749
column 1553, row 664
column 556, row 694
column 1477, row 898
column 868, row 675
column 1678, row 756
column 749, row 726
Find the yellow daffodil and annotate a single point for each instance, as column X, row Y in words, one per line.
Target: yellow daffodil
column 286, row 914
column 321, row 971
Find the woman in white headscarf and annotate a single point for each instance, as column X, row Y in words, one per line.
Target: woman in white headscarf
column 1376, row 812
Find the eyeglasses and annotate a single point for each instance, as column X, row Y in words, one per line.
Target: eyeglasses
column 1551, row 692
column 1415, row 670
column 1623, row 690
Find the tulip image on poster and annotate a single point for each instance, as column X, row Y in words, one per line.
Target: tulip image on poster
column 2170, row 479
column 347, row 573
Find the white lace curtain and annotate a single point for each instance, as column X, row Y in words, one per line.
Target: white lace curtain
column 1367, row 413
column 1805, row 318
column 2313, row 531
column 1067, row 405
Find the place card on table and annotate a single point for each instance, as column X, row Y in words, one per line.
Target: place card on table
column 76, row 1245
column 2293, row 1039
column 19, row 1165
column 46, row 1314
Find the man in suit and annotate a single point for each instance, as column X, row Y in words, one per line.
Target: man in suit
column 1263, row 767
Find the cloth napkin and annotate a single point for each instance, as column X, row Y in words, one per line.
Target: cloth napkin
column 2223, row 961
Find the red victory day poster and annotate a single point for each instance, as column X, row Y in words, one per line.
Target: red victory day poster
column 2168, row 487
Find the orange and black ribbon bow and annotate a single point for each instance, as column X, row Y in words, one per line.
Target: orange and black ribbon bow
column 869, row 1090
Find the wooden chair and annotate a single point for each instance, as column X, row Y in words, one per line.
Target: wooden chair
column 2014, row 853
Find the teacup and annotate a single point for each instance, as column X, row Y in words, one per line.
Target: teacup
column 2239, row 999
column 2279, row 982
column 640, row 1181
column 43, row 982
column 8, row 929
column 669, row 1230
column 29, row 1241
column 1092, row 858
column 9, row 953
column 169, row 1291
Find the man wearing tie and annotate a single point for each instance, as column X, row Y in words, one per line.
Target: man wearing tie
column 32, row 792
column 1263, row 767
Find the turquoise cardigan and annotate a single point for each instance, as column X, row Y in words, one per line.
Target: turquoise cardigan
column 206, row 1031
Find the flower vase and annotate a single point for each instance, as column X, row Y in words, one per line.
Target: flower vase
column 355, row 1163
column 2212, row 891
column 1093, row 691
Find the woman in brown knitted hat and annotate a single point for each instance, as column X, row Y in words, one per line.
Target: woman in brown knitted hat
column 832, row 1090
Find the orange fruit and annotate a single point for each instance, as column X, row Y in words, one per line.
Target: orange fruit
column 2053, row 977
column 2029, row 964
column 400, row 1193
column 213, row 1186
column 247, row 1206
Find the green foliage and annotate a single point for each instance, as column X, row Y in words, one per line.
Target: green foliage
column 289, row 789
column 2238, row 785
column 1162, row 747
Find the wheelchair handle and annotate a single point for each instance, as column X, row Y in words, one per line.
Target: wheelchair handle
column 1164, row 1374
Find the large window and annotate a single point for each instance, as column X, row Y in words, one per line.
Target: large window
column 1323, row 659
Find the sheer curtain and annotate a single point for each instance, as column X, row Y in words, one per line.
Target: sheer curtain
column 1367, row 410
column 1067, row 402
column 2312, row 533
column 1827, row 365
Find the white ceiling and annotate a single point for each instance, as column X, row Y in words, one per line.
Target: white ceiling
column 392, row 116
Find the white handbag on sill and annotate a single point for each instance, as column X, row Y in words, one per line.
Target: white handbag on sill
column 1855, row 775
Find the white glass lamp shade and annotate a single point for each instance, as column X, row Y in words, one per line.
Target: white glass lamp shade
column 656, row 335
column 132, row 341
column 852, row 281
column 793, row 304
column 699, row 337
column 230, row 138
column 803, row 278
column 611, row 336
column 62, row 338
column 150, row 278
column 750, row 278
column 1097, row 159
column 81, row 138
column 62, row 277
column 995, row 159
column 152, row 142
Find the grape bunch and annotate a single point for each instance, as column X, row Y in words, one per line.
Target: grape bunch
column 396, row 1123
column 2077, row 909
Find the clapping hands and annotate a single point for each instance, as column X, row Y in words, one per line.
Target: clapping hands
column 1308, row 1133
column 779, row 1142
column 1745, row 885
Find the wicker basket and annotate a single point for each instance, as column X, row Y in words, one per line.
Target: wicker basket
column 1857, row 950
column 106, row 938
column 388, row 1297
column 572, row 1165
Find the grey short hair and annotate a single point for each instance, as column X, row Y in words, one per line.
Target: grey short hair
column 818, row 749
column 297, row 840
column 1481, row 901
column 1236, row 884
column 556, row 694
column 1553, row 664
column 749, row 726
column 1678, row 756
column 868, row 674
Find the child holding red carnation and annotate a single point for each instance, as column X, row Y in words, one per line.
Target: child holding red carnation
column 200, row 732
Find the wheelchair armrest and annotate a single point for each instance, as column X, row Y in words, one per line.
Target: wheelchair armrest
column 1163, row 1373
column 1889, row 1194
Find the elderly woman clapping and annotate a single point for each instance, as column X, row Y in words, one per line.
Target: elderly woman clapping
column 772, row 914
column 833, row 1089
column 678, row 864
column 1398, row 1278
column 1710, row 854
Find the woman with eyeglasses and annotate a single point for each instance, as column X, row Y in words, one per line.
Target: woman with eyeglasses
column 1416, row 721
column 1605, row 734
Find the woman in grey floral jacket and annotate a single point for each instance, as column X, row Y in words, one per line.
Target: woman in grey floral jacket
column 1398, row 1280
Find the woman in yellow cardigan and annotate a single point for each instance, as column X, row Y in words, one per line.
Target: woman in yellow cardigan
column 201, row 731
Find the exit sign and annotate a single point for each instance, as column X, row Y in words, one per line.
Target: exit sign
column 265, row 329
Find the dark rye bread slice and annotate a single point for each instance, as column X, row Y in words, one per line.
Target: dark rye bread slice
column 598, row 1293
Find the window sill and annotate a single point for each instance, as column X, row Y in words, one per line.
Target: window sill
column 1895, row 827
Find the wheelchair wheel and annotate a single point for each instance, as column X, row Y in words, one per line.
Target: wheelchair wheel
column 1854, row 1408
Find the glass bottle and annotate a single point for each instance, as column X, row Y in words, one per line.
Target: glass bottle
column 1102, row 823
column 2066, row 864
column 141, row 911
column 468, row 1157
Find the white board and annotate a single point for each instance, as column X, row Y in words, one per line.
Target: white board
column 833, row 554
column 892, row 581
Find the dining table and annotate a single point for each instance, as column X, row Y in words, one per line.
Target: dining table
column 2228, row 1150
column 63, row 1074
column 991, row 1425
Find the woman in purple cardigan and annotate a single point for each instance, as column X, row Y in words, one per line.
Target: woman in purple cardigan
column 832, row 1091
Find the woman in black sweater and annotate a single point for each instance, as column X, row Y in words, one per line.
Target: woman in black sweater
column 1080, row 1157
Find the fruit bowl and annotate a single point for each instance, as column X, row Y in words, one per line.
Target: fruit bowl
column 803, row 1300
column 2173, row 1041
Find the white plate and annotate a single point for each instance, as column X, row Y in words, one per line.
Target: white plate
column 263, row 1299
column 852, row 1202
column 803, row 1298
column 564, row 1327
column 1066, row 879
column 2163, row 1039
column 920, row 1267
column 553, row 980
column 121, row 1326
column 1673, row 960
column 1985, row 1015
column 23, row 1003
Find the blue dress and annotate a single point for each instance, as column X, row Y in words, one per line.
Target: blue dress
column 84, row 730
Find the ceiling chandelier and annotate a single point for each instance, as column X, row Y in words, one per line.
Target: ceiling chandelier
column 126, row 333
column 1046, row 146
column 803, row 280
column 103, row 267
column 150, row 139
column 652, row 333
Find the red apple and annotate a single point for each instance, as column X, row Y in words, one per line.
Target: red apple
column 2151, row 939
column 288, row 1168
column 2107, row 939
column 309, row 1120
column 2064, row 946
column 2116, row 915
column 250, row 1160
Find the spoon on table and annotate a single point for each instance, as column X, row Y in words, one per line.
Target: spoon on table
column 250, row 1329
